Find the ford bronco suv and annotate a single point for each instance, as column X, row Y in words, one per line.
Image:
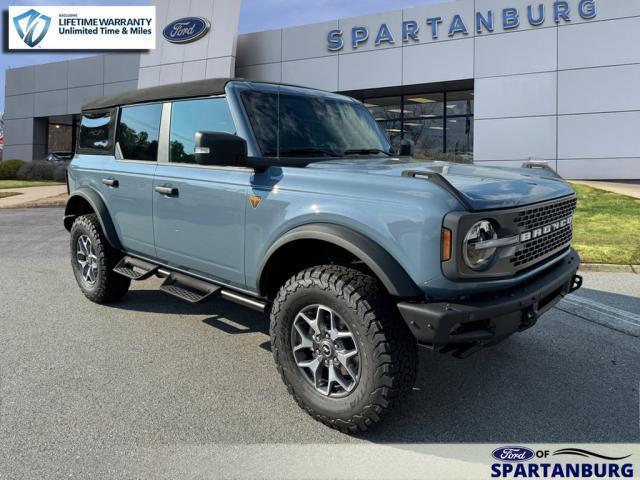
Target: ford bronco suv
column 291, row 201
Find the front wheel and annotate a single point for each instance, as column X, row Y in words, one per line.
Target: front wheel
column 92, row 261
column 340, row 346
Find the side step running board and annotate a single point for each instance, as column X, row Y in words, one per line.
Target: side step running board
column 195, row 290
column 188, row 288
column 240, row 299
column 135, row 269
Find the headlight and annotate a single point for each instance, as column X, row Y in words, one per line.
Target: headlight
column 475, row 258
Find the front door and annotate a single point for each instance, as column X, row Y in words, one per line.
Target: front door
column 199, row 211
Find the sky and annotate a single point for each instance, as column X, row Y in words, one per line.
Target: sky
column 255, row 15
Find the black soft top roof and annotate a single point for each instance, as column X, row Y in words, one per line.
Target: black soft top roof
column 199, row 88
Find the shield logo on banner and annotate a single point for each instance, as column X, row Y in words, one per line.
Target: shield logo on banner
column 32, row 26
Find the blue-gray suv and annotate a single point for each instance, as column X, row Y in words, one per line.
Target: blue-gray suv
column 291, row 201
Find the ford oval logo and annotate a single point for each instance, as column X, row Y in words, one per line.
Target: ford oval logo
column 513, row 454
column 188, row 29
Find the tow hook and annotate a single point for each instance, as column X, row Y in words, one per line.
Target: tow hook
column 529, row 319
column 576, row 283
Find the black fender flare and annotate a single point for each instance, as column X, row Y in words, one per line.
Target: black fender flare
column 94, row 199
column 392, row 275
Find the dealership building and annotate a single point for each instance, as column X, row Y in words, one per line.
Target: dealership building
column 496, row 82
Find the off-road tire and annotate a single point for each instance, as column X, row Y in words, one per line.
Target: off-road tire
column 109, row 286
column 388, row 350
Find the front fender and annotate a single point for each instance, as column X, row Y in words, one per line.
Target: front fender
column 86, row 200
column 382, row 264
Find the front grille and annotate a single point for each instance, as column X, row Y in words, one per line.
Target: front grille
column 535, row 249
column 539, row 216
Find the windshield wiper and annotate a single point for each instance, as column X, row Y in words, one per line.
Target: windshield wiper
column 365, row 151
column 304, row 152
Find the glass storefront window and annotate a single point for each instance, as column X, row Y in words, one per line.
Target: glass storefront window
column 61, row 132
column 393, row 130
column 440, row 124
column 427, row 136
column 60, row 138
column 460, row 139
column 424, row 106
column 387, row 108
column 460, row 103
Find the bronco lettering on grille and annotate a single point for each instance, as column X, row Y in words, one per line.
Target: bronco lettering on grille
column 545, row 230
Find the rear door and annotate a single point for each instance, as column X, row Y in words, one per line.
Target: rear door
column 199, row 211
column 129, row 179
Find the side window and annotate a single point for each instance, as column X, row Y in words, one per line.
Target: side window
column 138, row 130
column 191, row 116
column 96, row 132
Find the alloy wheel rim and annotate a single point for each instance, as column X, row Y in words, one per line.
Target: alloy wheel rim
column 87, row 260
column 325, row 351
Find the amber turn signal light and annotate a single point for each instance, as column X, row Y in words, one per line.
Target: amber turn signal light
column 445, row 252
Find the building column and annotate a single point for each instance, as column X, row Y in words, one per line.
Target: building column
column 40, row 134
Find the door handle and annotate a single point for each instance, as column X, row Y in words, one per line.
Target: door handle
column 170, row 191
column 111, row 182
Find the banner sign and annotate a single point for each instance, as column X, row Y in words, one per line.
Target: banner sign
column 82, row 28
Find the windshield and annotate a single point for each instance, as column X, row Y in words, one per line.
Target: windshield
column 293, row 124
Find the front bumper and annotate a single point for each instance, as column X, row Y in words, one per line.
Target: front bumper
column 484, row 320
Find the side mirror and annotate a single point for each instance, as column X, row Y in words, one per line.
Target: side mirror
column 406, row 148
column 218, row 148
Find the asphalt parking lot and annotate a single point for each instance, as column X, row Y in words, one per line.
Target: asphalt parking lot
column 83, row 386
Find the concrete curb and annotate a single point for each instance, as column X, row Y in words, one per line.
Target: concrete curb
column 56, row 201
column 609, row 268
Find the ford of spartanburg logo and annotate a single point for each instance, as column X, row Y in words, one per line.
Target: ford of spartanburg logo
column 186, row 30
column 32, row 26
column 513, row 454
column 522, row 462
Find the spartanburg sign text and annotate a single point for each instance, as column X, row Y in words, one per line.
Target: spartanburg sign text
column 436, row 27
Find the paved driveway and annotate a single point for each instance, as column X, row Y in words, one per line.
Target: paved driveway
column 84, row 387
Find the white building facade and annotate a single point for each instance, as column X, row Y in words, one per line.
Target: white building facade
column 498, row 82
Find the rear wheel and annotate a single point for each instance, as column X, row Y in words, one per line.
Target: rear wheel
column 92, row 261
column 340, row 346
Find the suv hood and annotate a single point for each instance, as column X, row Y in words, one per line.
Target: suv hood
column 484, row 188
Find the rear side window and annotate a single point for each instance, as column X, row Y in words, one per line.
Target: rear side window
column 96, row 132
column 138, row 131
column 191, row 116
